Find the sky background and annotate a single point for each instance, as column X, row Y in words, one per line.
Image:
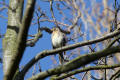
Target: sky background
column 43, row 44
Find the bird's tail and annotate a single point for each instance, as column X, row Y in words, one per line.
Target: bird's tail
column 61, row 58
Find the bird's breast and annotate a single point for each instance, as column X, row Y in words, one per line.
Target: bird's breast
column 57, row 40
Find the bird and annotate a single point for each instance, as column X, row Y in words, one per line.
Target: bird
column 58, row 39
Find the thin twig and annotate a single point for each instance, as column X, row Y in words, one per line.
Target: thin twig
column 51, row 9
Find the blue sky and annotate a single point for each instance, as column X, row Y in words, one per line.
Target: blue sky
column 43, row 43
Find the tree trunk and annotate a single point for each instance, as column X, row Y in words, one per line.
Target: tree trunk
column 10, row 40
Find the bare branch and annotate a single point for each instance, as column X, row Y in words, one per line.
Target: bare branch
column 76, row 63
column 86, row 69
column 114, row 76
column 46, row 29
column 32, row 42
column 69, row 47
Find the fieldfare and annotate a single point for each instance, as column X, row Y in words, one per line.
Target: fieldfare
column 58, row 40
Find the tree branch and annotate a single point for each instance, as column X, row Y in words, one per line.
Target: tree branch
column 32, row 42
column 86, row 69
column 69, row 47
column 114, row 76
column 22, row 36
column 76, row 63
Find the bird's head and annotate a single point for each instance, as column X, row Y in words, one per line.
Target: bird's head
column 55, row 29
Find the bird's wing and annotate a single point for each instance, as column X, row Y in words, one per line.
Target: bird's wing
column 64, row 40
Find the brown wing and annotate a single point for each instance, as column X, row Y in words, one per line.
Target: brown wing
column 64, row 40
